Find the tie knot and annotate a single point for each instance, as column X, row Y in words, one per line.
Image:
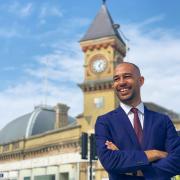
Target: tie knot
column 134, row 110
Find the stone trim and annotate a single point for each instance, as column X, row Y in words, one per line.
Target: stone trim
column 88, row 87
column 68, row 146
column 104, row 46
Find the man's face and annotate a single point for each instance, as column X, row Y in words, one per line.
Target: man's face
column 127, row 83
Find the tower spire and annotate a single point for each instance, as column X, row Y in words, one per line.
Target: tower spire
column 102, row 26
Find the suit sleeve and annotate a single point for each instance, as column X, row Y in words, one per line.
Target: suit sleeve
column 170, row 164
column 119, row 161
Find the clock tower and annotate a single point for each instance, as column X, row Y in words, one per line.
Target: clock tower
column 103, row 49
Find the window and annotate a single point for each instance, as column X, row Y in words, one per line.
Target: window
column 6, row 147
column 27, row 178
column 98, row 102
column 64, row 176
column 45, row 177
column 15, row 145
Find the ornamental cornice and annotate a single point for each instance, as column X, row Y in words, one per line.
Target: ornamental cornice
column 88, row 87
column 67, row 146
column 97, row 46
column 104, row 45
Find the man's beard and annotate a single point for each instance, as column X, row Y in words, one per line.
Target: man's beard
column 126, row 100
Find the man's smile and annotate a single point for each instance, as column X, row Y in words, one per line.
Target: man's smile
column 124, row 90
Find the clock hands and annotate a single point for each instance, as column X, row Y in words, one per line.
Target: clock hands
column 99, row 65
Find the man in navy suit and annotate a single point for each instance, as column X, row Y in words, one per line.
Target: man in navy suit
column 132, row 141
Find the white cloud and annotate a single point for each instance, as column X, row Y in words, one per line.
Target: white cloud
column 157, row 53
column 47, row 10
column 21, row 10
column 26, row 10
column 62, row 64
column 22, row 98
column 54, row 80
column 151, row 20
column 78, row 22
column 9, row 33
column 15, row 11
column 66, row 29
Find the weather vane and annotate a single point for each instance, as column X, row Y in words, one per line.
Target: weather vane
column 104, row 1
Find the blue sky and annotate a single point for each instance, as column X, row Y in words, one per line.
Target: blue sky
column 41, row 60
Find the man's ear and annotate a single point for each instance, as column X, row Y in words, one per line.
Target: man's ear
column 141, row 80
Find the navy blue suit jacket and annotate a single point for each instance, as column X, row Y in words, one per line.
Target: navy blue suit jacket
column 158, row 133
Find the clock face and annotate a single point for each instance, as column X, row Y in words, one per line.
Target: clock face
column 99, row 65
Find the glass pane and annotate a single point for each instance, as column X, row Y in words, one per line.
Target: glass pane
column 27, row 178
column 64, row 176
column 45, row 177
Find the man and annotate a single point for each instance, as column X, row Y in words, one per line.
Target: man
column 132, row 141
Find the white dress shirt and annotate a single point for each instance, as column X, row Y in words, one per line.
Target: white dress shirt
column 127, row 110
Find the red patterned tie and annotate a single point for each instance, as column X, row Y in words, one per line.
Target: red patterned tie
column 137, row 125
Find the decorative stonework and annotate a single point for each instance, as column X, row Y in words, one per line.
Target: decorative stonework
column 106, row 45
column 42, row 161
column 6, row 147
column 67, row 146
column 96, row 86
column 15, row 145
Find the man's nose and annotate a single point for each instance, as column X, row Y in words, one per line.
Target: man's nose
column 122, row 81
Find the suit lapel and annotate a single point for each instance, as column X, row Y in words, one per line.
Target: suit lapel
column 147, row 127
column 121, row 119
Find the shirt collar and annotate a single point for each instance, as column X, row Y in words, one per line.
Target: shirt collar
column 127, row 108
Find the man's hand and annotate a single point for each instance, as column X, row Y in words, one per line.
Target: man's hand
column 154, row 155
column 111, row 146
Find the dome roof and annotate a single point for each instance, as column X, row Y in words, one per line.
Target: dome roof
column 41, row 120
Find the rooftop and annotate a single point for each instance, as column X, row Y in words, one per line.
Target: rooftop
column 41, row 120
column 102, row 26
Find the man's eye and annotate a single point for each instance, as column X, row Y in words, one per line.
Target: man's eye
column 116, row 79
column 127, row 76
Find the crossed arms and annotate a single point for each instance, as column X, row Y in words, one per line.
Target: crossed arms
column 116, row 160
column 152, row 155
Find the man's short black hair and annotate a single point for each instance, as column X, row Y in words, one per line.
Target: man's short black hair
column 137, row 68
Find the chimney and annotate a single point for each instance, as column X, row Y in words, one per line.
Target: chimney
column 61, row 115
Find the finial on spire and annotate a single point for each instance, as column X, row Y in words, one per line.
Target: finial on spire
column 104, row 1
